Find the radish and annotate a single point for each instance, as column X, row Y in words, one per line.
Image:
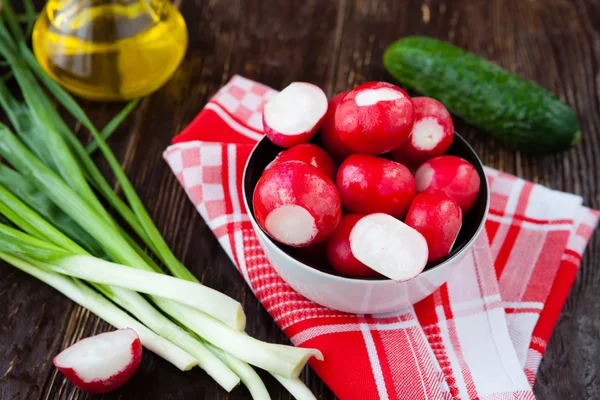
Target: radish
column 374, row 118
column 294, row 114
column 453, row 175
column 431, row 135
column 329, row 136
column 369, row 184
column 439, row 218
column 389, row 246
column 296, row 204
column 309, row 154
column 101, row 363
column 338, row 250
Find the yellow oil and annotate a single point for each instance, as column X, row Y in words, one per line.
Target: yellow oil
column 110, row 49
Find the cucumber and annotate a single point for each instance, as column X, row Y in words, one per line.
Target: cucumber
column 517, row 112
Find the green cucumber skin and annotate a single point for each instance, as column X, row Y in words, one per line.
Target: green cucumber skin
column 519, row 113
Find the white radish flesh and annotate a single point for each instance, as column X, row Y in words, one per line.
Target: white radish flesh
column 431, row 136
column 389, row 246
column 427, row 133
column 291, row 224
column 296, row 204
column 101, row 363
column 294, row 114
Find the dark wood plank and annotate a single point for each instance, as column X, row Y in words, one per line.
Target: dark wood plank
column 334, row 44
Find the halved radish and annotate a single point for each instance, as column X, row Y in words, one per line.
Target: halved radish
column 389, row 246
column 338, row 250
column 439, row 218
column 336, row 148
column 101, row 363
column 294, row 114
column 369, row 184
column 374, row 118
column 431, row 135
column 309, row 154
column 296, row 204
column 453, row 175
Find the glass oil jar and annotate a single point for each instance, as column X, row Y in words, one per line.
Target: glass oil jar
column 110, row 50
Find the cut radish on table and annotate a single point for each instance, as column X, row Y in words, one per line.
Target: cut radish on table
column 389, row 246
column 453, row 175
column 101, row 363
column 374, row 118
column 439, row 218
column 369, row 184
column 296, row 204
column 337, row 149
column 309, row 154
column 431, row 135
column 294, row 114
column 338, row 250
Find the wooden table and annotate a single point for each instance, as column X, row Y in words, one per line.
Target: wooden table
column 335, row 44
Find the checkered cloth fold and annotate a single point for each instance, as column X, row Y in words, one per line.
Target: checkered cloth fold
column 480, row 336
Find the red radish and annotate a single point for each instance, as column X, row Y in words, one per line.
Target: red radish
column 309, row 154
column 338, row 250
column 453, row 175
column 439, row 218
column 389, row 246
column 369, row 184
column 329, row 136
column 431, row 135
column 294, row 114
column 101, row 363
column 296, row 204
column 374, row 118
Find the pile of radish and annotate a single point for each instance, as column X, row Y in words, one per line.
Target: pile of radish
column 357, row 197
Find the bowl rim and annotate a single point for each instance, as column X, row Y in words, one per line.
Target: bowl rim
column 384, row 280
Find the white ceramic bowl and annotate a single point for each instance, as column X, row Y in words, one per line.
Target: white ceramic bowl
column 362, row 295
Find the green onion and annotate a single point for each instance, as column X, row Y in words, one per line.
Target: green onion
column 279, row 359
column 248, row 376
column 114, row 123
column 296, row 387
column 163, row 251
column 13, row 23
column 28, row 194
column 30, row 16
column 200, row 297
column 97, row 304
column 21, row 244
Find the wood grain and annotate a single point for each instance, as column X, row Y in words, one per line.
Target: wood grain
column 335, row 44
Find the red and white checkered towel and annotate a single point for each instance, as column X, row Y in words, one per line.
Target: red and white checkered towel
column 480, row 336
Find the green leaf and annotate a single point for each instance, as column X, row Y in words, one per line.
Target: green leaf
column 29, row 195
column 154, row 239
column 15, row 242
column 69, row 201
column 33, row 223
column 91, row 170
column 43, row 112
column 12, row 20
column 30, row 14
column 25, row 126
column 112, row 126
